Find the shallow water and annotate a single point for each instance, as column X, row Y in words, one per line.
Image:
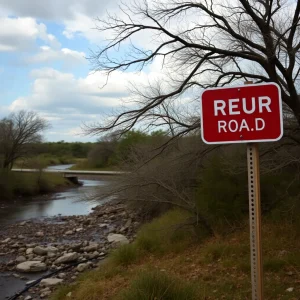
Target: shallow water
column 74, row 201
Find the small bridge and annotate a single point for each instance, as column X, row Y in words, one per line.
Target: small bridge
column 72, row 175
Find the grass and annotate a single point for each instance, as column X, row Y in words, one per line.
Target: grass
column 170, row 231
column 29, row 184
column 43, row 161
column 125, row 255
column 165, row 264
column 156, row 285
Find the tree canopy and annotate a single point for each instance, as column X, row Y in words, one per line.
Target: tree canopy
column 201, row 44
column 18, row 133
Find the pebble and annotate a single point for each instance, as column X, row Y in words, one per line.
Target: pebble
column 290, row 289
column 91, row 242
column 61, row 275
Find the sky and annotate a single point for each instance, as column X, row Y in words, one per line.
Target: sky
column 44, row 46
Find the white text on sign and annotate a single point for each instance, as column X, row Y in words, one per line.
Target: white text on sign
column 234, row 108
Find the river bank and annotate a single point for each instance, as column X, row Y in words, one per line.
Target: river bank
column 15, row 185
column 49, row 244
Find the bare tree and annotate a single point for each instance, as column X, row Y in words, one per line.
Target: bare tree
column 18, row 132
column 202, row 43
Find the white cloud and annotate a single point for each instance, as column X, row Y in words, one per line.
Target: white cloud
column 48, row 54
column 17, row 34
column 54, row 91
column 78, row 16
column 67, row 101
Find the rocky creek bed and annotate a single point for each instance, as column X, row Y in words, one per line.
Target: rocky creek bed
column 31, row 249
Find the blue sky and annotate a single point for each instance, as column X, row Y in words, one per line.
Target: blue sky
column 43, row 65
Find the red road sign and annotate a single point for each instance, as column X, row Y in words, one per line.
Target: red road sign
column 244, row 114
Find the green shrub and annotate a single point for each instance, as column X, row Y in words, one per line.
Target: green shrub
column 157, row 285
column 125, row 255
column 168, row 232
column 222, row 194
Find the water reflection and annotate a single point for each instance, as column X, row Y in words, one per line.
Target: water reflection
column 75, row 201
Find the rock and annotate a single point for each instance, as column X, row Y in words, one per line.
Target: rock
column 117, row 239
column 39, row 258
column 61, row 275
column 126, row 226
column 16, row 275
column 69, row 257
column 70, row 232
column 28, row 298
column 103, row 225
column 93, row 255
column 51, row 254
column 29, row 251
column 87, row 222
column 39, row 234
column 14, row 246
column 6, row 241
column 51, row 282
column 91, row 247
column 82, row 267
column 44, row 250
column 75, row 246
column 20, row 259
column 69, row 295
column 40, row 250
column 21, row 237
column 290, row 289
column 79, row 229
column 23, row 223
column 30, row 257
column 31, row 266
column 44, row 295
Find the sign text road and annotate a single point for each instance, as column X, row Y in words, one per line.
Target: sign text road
column 250, row 113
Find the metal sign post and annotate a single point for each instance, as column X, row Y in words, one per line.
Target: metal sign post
column 245, row 114
column 255, row 221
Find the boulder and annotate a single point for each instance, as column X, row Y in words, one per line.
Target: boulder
column 51, row 254
column 51, row 282
column 117, row 239
column 20, row 259
column 82, row 267
column 31, row 267
column 66, row 258
column 44, row 250
column 29, row 251
column 92, row 247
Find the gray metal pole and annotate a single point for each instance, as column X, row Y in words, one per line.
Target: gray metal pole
column 255, row 221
